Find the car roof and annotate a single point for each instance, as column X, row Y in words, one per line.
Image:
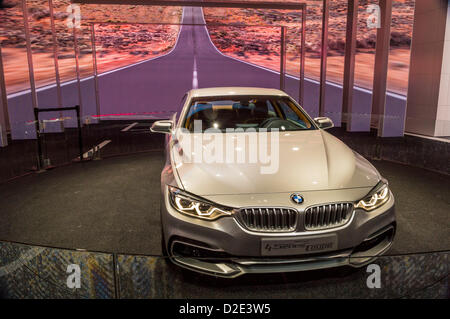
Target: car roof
column 232, row 91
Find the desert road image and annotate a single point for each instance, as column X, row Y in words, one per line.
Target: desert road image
column 156, row 86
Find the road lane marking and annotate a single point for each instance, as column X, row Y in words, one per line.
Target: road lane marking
column 129, row 127
column 194, row 75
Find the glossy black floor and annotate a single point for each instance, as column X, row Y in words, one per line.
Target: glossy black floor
column 112, row 205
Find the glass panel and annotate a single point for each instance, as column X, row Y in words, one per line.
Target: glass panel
column 398, row 67
column 14, row 52
column 337, row 27
column 400, row 46
column 364, row 65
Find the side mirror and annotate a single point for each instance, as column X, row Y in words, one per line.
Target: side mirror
column 324, row 122
column 162, row 127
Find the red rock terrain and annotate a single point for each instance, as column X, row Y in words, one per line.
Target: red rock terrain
column 119, row 45
column 262, row 45
column 116, row 45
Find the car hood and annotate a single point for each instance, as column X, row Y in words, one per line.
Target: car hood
column 310, row 160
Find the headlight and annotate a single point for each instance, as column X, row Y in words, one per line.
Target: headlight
column 377, row 197
column 192, row 205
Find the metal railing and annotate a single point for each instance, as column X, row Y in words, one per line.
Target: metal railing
column 41, row 161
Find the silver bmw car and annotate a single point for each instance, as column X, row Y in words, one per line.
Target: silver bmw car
column 253, row 184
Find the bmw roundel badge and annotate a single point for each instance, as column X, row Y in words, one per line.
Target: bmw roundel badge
column 297, row 198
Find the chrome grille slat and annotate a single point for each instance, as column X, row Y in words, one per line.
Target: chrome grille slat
column 333, row 214
column 316, row 215
column 270, row 219
column 273, row 217
column 262, row 216
column 322, row 215
column 258, row 218
column 339, row 213
column 327, row 216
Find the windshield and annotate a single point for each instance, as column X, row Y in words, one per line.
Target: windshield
column 233, row 112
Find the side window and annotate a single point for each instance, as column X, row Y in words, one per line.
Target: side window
column 290, row 114
column 271, row 109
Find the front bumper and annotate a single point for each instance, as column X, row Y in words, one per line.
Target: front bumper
column 225, row 249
